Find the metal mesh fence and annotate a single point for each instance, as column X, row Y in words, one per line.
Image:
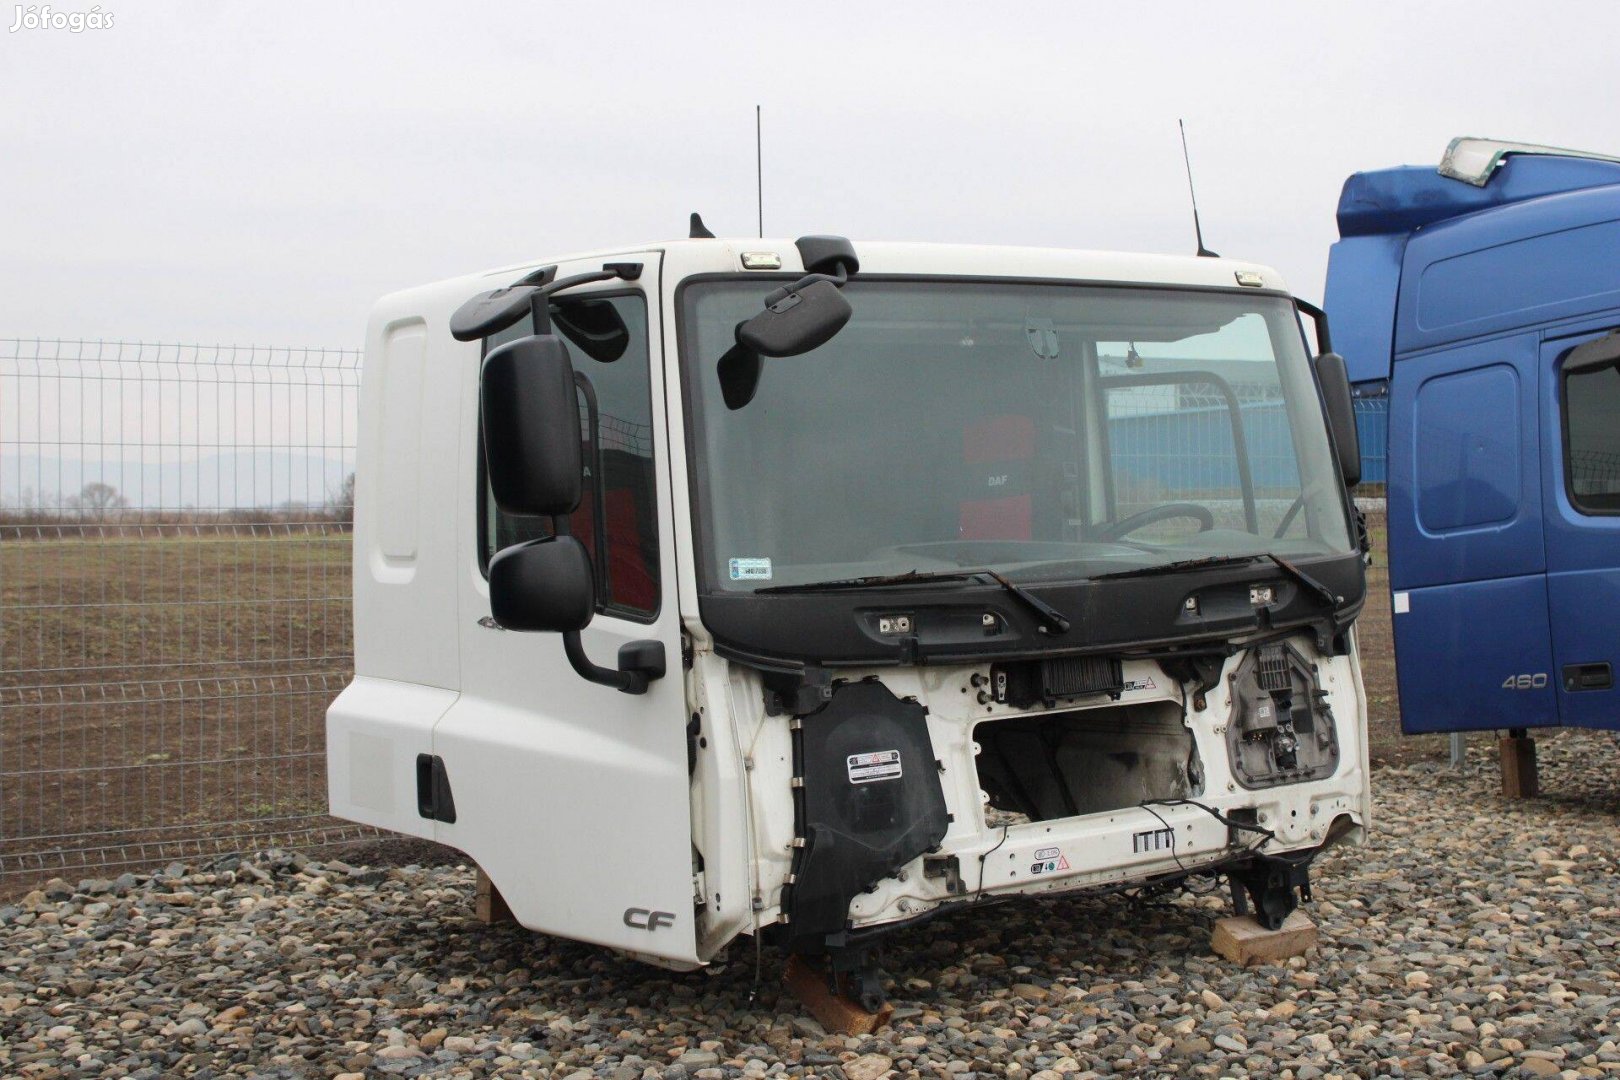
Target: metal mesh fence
column 1372, row 428
column 174, row 598
column 1594, row 472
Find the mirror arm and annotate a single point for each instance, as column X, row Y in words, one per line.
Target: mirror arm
column 631, row 681
column 583, row 385
column 840, row 280
column 539, row 305
column 640, row 662
column 1324, row 339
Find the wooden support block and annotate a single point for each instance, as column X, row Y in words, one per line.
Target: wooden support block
column 489, row 904
column 838, row 1013
column 1242, row 940
column 1518, row 754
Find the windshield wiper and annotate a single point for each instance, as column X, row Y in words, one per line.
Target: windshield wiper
column 1311, row 584
column 1051, row 619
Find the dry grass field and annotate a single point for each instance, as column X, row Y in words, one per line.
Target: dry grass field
column 161, row 697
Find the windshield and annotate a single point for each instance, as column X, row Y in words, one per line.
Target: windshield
column 1050, row 432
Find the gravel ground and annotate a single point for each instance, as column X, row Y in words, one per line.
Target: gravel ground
column 1472, row 936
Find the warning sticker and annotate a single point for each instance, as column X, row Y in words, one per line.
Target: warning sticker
column 750, row 569
column 877, row 765
column 1048, row 860
column 1141, row 684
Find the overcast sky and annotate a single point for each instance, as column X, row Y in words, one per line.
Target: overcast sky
column 260, row 173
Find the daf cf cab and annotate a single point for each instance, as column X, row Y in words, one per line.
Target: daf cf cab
column 808, row 589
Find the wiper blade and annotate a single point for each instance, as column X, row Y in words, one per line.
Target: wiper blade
column 1310, row 583
column 1177, row 567
column 874, row 581
column 1052, row 620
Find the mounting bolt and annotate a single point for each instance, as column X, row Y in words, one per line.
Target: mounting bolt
column 988, row 619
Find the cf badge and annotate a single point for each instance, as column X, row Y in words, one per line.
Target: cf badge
column 642, row 919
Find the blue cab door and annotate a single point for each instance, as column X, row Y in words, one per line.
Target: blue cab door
column 1468, row 570
column 1580, row 407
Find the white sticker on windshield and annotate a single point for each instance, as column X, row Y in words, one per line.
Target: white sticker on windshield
column 877, row 765
column 750, row 569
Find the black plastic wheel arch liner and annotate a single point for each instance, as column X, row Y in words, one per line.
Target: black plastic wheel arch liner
column 870, row 801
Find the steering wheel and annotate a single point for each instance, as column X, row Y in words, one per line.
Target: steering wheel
column 1128, row 525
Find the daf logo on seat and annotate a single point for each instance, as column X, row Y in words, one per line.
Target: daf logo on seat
column 998, row 481
column 642, row 919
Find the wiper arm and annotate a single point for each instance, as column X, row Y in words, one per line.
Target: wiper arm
column 1328, row 596
column 1310, row 583
column 1052, row 620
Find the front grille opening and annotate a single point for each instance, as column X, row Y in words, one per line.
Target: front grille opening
column 1090, row 761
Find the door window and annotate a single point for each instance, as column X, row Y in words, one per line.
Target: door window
column 1592, row 439
column 617, row 517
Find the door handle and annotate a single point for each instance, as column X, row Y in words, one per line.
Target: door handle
column 433, row 798
column 1578, row 677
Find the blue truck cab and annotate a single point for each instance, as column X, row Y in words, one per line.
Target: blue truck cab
column 1484, row 299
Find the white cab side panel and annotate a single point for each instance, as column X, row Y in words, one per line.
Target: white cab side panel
column 408, row 457
column 406, row 669
column 374, row 731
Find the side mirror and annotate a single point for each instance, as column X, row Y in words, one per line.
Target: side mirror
column 531, row 427
column 595, row 326
column 1341, row 415
column 546, row 585
column 795, row 320
column 802, row 319
column 543, row 585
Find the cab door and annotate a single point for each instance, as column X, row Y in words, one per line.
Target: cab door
column 1468, row 573
column 1581, row 411
column 573, row 796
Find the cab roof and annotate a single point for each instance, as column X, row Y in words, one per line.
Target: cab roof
column 877, row 257
column 1474, row 174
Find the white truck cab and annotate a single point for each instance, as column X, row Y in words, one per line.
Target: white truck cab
column 806, row 589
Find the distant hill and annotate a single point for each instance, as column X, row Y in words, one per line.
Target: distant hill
column 152, row 479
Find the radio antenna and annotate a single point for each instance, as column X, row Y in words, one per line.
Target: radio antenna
column 759, row 171
column 1197, row 229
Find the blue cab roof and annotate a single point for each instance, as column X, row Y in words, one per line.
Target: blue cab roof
column 1408, row 197
column 1398, row 223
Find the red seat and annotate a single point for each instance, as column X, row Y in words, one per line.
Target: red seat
column 998, row 451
